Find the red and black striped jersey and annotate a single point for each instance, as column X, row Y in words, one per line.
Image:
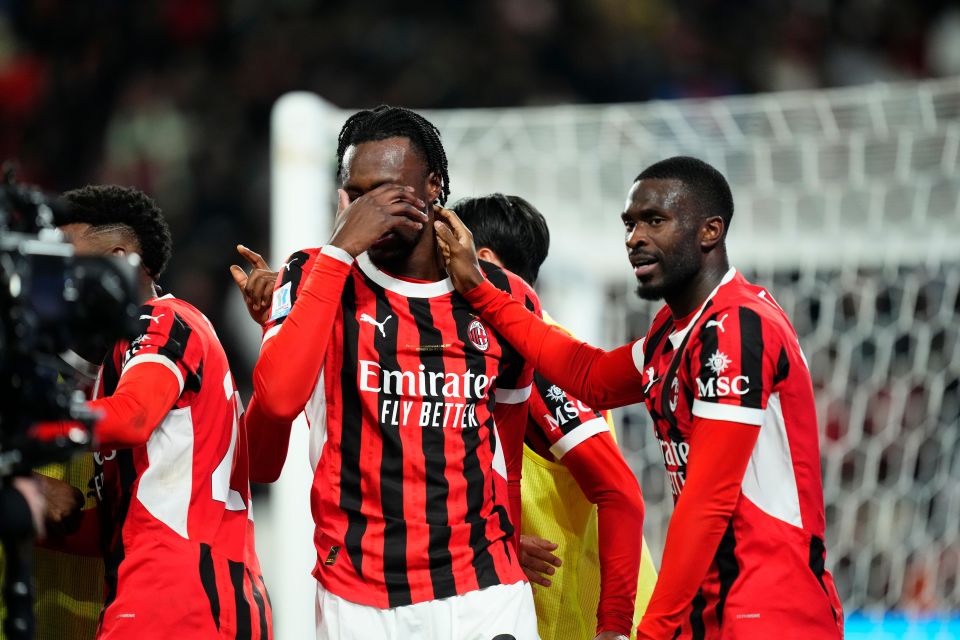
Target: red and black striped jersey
column 738, row 359
column 558, row 421
column 409, row 494
column 175, row 526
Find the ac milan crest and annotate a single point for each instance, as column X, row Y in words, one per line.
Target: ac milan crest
column 478, row 335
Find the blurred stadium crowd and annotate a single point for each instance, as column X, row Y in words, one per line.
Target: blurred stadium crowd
column 174, row 96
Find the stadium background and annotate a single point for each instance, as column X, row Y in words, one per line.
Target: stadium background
column 847, row 199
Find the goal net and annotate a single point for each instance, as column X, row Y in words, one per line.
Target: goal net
column 847, row 208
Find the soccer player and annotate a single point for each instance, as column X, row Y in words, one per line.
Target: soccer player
column 405, row 391
column 173, row 517
column 572, row 469
column 726, row 384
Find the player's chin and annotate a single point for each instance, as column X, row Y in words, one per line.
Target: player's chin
column 649, row 288
column 390, row 248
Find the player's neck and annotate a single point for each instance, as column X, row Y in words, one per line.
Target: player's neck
column 689, row 298
column 148, row 291
column 421, row 264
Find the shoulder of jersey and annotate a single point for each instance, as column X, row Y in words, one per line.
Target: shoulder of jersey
column 749, row 296
column 513, row 284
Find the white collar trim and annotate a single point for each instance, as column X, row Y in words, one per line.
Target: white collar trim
column 676, row 338
column 403, row 287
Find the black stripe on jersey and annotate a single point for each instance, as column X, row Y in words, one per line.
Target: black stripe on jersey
column 709, row 345
column 176, row 347
column 817, row 554
column 244, row 632
column 391, row 466
column 727, row 568
column 435, row 462
column 751, row 357
column 292, row 273
column 261, row 606
column 117, row 517
column 676, row 634
column 506, row 375
column 650, row 346
column 673, row 431
column 783, row 367
column 208, row 578
column 698, row 628
column 473, row 474
column 352, row 419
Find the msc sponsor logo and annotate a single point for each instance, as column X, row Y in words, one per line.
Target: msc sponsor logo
column 723, row 386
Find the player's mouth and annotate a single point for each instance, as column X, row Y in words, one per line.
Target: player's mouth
column 643, row 265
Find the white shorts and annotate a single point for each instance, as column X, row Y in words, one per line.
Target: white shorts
column 501, row 612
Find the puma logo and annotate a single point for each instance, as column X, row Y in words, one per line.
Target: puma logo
column 153, row 318
column 379, row 325
column 717, row 323
column 286, row 265
column 651, row 376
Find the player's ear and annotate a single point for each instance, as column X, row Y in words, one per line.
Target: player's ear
column 434, row 186
column 487, row 254
column 711, row 232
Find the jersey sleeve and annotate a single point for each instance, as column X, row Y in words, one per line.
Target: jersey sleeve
column 289, row 283
column 563, row 421
column 515, row 381
column 167, row 339
column 734, row 365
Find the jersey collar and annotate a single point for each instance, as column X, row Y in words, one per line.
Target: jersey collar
column 676, row 338
column 403, row 287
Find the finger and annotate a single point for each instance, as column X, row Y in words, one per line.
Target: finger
column 544, row 555
column 460, row 231
column 406, row 209
column 536, row 578
column 264, row 289
column 538, row 565
column 543, row 544
column 252, row 257
column 444, row 233
column 343, row 201
column 239, row 276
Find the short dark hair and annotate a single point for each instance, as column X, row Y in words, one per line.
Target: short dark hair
column 511, row 227
column 385, row 122
column 128, row 209
column 710, row 190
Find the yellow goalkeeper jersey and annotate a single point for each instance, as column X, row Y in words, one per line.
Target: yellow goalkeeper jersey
column 69, row 589
column 555, row 509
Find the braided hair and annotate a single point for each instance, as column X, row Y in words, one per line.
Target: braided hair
column 385, row 122
column 126, row 210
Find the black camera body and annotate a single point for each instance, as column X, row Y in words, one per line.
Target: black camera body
column 52, row 302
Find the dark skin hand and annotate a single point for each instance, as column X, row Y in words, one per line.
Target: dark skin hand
column 359, row 224
column 63, row 504
column 457, row 249
column 257, row 286
column 536, row 559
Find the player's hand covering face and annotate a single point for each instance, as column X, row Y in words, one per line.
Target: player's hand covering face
column 456, row 247
column 383, row 207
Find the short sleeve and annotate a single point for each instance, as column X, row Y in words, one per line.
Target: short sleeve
column 167, row 339
column 290, row 279
column 564, row 421
column 734, row 364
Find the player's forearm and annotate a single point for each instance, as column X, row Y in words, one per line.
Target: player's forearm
column 720, row 452
column 289, row 364
column 606, row 480
column 144, row 396
column 601, row 379
column 267, row 442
